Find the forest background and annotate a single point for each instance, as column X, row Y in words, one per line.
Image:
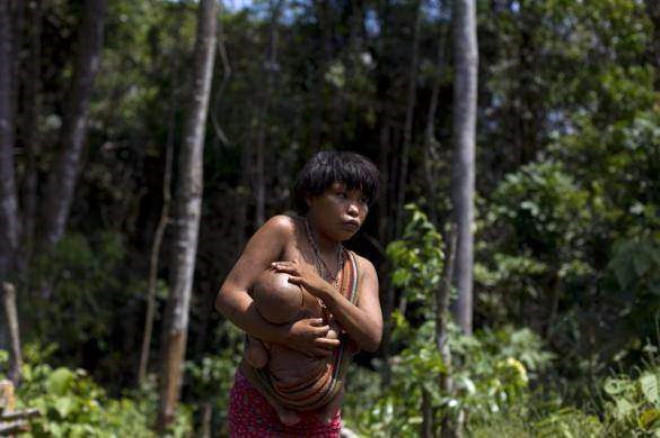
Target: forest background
column 95, row 114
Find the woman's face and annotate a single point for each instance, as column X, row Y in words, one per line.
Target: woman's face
column 338, row 213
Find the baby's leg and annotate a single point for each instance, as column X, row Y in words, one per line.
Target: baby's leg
column 287, row 417
column 255, row 353
column 328, row 412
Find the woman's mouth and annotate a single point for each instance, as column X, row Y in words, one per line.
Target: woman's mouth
column 351, row 225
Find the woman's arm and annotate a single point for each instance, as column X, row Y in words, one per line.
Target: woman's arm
column 234, row 302
column 364, row 322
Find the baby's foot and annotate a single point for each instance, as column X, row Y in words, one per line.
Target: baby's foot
column 327, row 414
column 256, row 354
column 287, row 417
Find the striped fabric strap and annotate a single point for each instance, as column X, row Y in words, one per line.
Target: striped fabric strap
column 321, row 386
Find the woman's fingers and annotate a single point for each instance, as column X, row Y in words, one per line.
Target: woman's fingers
column 296, row 280
column 288, row 269
column 327, row 343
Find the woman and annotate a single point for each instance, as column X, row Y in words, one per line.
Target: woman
column 332, row 195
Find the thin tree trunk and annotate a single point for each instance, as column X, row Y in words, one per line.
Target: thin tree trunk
column 32, row 109
column 11, row 315
column 62, row 180
column 442, row 295
column 464, row 121
column 384, row 236
column 430, row 141
column 270, row 68
column 155, row 249
column 410, row 111
column 427, row 415
column 9, row 224
column 18, row 19
column 207, row 416
column 226, row 75
column 189, row 205
column 320, row 92
column 653, row 12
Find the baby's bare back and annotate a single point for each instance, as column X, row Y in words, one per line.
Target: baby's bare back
column 279, row 302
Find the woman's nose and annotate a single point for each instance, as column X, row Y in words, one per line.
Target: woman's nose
column 353, row 208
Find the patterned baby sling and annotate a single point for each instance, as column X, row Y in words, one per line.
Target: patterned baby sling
column 322, row 385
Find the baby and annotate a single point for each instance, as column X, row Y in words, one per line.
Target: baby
column 281, row 302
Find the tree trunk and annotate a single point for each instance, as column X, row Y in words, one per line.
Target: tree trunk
column 207, row 417
column 464, row 123
column 427, row 415
column 384, row 236
column 410, row 109
column 653, row 12
column 430, row 142
column 11, row 315
column 32, row 108
column 155, row 249
column 442, row 296
column 9, row 225
column 62, row 180
column 189, row 205
column 270, row 68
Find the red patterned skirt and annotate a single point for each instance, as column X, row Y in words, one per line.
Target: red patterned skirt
column 250, row 415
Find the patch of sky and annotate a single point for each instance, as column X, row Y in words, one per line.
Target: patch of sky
column 371, row 23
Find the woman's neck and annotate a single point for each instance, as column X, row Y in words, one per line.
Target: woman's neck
column 325, row 244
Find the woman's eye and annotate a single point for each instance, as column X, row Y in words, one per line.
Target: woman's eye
column 342, row 195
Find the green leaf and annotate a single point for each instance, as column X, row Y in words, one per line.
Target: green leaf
column 64, row 406
column 615, row 386
column 641, row 263
column 401, row 277
column 623, row 408
column 625, row 273
column 649, row 417
column 60, row 381
column 649, row 386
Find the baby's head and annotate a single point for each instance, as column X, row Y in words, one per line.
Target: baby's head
column 277, row 300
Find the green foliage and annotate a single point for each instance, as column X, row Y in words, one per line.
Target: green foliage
column 417, row 259
column 634, row 403
column 211, row 377
column 73, row 405
column 83, row 275
column 491, row 370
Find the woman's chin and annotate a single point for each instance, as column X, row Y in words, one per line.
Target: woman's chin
column 346, row 235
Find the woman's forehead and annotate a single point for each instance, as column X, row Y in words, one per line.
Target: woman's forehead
column 340, row 185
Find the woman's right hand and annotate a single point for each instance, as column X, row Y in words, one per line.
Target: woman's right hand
column 310, row 336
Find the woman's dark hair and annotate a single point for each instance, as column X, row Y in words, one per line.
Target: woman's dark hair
column 328, row 167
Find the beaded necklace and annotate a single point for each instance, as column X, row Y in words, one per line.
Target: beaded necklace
column 320, row 264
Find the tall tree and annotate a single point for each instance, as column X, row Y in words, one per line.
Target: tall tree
column 464, row 125
column 30, row 126
column 270, row 69
column 408, row 125
column 62, row 180
column 188, row 211
column 8, row 205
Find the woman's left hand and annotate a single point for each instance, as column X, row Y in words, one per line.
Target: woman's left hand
column 303, row 276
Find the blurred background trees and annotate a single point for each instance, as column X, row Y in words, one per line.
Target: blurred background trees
column 566, row 246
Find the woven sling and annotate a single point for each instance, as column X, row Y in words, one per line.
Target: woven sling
column 323, row 384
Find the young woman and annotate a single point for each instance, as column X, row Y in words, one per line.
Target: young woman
column 332, row 196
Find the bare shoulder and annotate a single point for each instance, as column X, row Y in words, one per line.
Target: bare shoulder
column 281, row 224
column 366, row 267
